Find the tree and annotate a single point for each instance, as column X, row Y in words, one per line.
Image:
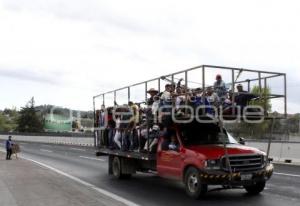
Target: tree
column 29, row 120
column 8, row 120
column 254, row 129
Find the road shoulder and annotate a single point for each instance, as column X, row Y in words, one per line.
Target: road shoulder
column 23, row 183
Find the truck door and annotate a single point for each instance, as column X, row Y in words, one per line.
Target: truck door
column 169, row 159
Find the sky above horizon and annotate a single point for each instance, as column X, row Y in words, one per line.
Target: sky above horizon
column 65, row 52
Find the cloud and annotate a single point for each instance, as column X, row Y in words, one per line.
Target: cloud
column 95, row 46
column 30, row 75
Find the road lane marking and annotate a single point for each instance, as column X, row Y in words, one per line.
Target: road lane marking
column 78, row 149
column 102, row 191
column 45, row 150
column 46, row 145
column 286, row 174
column 23, row 143
column 92, row 158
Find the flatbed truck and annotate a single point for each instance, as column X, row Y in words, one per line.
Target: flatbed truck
column 206, row 155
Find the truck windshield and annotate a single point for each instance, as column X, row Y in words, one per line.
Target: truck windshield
column 201, row 134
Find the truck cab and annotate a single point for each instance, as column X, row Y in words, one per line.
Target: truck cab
column 200, row 160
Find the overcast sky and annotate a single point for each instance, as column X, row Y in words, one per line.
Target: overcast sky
column 63, row 52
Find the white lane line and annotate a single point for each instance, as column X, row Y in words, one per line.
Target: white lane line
column 102, row 191
column 78, row 149
column 92, row 158
column 44, row 145
column 286, row 174
column 23, row 143
column 45, row 150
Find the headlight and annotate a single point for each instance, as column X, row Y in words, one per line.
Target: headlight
column 213, row 164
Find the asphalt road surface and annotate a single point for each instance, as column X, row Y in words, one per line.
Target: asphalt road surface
column 148, row 189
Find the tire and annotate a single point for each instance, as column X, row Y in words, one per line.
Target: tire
column 193, row 186
column 256, row 188
column 117, row 169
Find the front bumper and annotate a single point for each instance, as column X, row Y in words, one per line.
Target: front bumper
column 217, row 177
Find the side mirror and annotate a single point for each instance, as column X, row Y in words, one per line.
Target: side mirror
column 242, row 141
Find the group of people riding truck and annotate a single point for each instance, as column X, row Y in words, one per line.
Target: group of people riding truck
column 134, row 128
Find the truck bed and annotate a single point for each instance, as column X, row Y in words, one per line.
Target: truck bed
column 127, row 154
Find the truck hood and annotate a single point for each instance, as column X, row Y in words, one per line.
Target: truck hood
column 217, row 151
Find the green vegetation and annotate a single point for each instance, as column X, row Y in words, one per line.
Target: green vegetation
column 8, row 120
column 29, row 120
column 255, row 130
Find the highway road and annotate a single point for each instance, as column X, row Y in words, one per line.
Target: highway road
column 150, row 190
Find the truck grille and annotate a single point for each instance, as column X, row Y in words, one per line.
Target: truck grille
column 243, row 163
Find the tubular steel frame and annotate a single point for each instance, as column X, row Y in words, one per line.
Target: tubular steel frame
column 204, row 69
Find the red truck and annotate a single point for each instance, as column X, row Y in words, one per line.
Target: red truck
column 204, row 154
column 198, row 161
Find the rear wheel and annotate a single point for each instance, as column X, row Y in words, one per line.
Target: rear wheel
column 117, row 169
column 256, row 188
column 193, row 186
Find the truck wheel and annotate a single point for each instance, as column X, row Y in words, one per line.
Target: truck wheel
column 116, row 167
column 256, row 188
column 193, row 186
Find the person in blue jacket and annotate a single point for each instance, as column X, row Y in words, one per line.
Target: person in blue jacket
column 8, row 146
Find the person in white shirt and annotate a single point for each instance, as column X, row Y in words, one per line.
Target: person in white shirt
column 166, row 95
column 211, row 96
column 117, row 137
column 220, row 88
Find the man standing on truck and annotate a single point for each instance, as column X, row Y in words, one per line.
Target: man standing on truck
column 220, row 88
column 166, row 102
column 153, row 104
column 134, row 121
column 243, row 97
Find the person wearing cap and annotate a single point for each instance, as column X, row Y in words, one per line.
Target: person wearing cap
column 153, row 105
column 8, row 146
column 220, row 88
column 153, row 93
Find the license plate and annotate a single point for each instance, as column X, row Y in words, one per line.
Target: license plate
column 246, row 177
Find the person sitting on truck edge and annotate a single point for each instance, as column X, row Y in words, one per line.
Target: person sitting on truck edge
column 152, row 139
column 220, row 88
